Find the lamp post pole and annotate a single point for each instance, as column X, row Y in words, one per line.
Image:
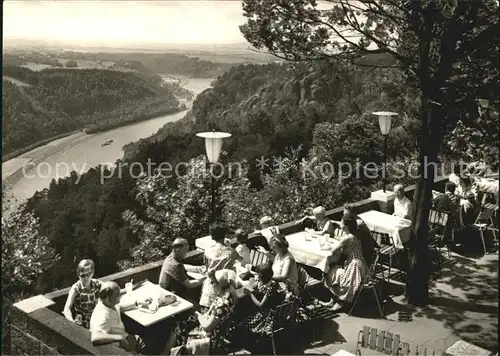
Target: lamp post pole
column 384, row 175
column 214, row 195
column 213, row 146
column 384, row 121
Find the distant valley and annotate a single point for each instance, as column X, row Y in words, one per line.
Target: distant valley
column 49, row 93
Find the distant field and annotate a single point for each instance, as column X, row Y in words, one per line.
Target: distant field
column 82, row 64
column 89, row 64
column 36, row 66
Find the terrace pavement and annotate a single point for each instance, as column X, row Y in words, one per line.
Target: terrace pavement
column 463, row 305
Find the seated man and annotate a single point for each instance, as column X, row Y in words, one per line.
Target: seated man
column 402, row 205
column 173, row 275
column 447, row 202
column 323, row 224
column 106, row 324
column 450, row 203
column 470, row 210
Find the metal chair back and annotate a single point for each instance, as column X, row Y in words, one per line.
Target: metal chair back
column 258, row 258
column 438, row 218
column 338, row 232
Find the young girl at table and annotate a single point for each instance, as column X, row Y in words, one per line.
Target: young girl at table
column 267, row 295
column 242, row 248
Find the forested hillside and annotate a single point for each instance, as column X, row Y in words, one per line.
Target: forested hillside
column 161, row 63
column 55, row 101
column 270, row 107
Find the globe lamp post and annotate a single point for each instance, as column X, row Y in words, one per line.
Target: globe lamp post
column 213, row 147
column 384, row 121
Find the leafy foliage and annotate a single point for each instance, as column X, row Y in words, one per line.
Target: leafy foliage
column 477, row 142
column 26, row 255
column 170, row 211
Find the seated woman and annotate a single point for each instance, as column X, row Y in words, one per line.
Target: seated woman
column 344, row 282
column 284, row 266
column 206, row 335
column 266, row 296
column 323, row 224
column 83, row 295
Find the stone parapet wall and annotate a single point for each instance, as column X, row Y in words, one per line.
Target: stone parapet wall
column 24, row 343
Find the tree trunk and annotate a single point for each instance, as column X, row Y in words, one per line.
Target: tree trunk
column 417, row 285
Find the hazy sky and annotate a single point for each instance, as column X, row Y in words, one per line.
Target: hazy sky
column 116, row 22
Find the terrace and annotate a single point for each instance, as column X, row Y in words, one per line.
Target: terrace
column 464, row 306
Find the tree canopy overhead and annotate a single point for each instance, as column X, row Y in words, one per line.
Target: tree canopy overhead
column 451, row 42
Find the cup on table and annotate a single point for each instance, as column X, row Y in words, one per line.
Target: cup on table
column 155, row 303
column 129, row 287
column 248, row 267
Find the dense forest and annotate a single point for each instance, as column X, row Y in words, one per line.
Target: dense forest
column 42, row 104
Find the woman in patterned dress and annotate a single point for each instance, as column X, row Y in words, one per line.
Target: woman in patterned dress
column 344, row 282
column 266, row 296
column 83, row 295
column 206, row 336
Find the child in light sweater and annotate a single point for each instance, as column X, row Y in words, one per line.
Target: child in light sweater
column 242, row 248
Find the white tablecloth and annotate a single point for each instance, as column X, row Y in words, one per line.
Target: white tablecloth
column 343, row 353
column 146, row 318
column 310, row 253
column 397, row 227
column 205, row 242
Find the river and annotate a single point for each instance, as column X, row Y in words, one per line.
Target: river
column 80, row 152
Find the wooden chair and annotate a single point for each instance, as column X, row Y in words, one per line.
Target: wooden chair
column 225, row 345
column 283, row 317
column 387, row 248
column 438, row 221
column 310, row 305
column 484, row 222
column 422, row 351
column 258, row 258
column 382, row 342
column 338, row 233
column 279, row 319
column 369, row 282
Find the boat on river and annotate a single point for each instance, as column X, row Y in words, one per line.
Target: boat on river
column 106, row 142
